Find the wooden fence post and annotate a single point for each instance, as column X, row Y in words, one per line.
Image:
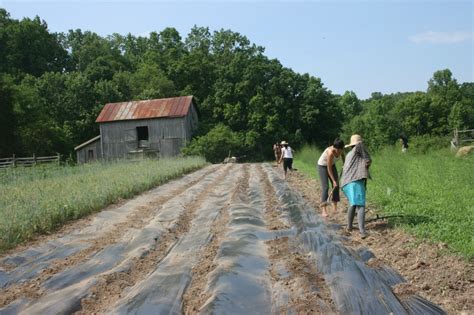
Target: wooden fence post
column 59, row 159
column 13, row 160
column 456, row 137
column 34, row 159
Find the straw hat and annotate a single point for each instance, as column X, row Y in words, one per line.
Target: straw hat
column 284, row 142
column 355, row 139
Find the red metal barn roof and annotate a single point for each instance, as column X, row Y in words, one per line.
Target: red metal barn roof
column 160, row 108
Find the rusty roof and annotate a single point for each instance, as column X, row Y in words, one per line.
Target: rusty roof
column 159, row 108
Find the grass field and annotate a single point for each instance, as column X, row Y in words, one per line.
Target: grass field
column 40, row 199
column 433, row 192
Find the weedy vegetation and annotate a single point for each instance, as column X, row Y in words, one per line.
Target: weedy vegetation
column 40, row 199
column 431, row 192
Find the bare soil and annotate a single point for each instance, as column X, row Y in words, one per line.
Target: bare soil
column 305, row 285
column 136, row 219
column 430, row 271
column 294, row 278
column 195, row 297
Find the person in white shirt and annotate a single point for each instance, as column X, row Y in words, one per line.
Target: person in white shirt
column 286, row 157
column 328, row 172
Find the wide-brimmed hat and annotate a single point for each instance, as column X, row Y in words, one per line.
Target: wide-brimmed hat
column 355, row 139
column 283, row 142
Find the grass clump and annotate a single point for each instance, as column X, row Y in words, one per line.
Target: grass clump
column 40, row 199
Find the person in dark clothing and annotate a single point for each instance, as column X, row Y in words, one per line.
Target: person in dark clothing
column 404, row 142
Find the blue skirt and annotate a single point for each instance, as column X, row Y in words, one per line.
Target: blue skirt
column 355, row 193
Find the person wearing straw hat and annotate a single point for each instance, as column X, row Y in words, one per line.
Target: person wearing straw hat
column 355, row 173
column 327, row 172
column 286, row 156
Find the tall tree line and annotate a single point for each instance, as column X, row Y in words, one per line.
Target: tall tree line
column 382, row 119
column 53, row 86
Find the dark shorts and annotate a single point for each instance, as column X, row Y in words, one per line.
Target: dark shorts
column 287, row 164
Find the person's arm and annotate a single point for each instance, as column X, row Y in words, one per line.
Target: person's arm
column 330, row 171
column 365, row 155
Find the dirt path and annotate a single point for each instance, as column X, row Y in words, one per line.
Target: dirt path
column 430, row 271
column 229, row 238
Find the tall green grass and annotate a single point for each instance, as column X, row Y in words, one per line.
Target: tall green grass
column 433, row 192
column 40, row 199
column 306, row 159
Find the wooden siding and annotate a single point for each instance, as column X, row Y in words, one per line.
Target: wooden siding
column 191, row 121
column 82, row 154
column 165, row 135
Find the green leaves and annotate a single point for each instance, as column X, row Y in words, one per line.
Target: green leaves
column 216, row 145
column 445, row 106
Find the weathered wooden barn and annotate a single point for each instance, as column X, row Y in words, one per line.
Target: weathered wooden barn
column 157, row 128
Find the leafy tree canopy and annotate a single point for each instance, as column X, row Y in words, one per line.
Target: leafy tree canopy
column 52, row 87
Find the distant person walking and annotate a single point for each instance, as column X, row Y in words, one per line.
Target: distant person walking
column 287, row 157
column 327, row 172
column 277, row 152
column 354, row 182
column 404, row 142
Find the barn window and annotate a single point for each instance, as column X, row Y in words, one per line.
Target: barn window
column 142, row 136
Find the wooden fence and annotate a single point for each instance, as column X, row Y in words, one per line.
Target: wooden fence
column 462, row 137
column 29, row 161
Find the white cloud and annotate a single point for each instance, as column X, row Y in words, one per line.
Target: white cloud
column 441, row 37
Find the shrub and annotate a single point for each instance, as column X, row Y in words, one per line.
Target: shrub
column 426, row 143
column 216, row 145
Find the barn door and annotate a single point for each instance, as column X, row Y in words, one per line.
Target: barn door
column 130, row 138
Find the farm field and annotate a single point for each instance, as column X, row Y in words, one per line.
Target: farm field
column 40, row 199
column 431, row 193
column 204, row 243
column 420, row 258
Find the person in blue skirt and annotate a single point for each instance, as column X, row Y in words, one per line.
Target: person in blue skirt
column 355, row 173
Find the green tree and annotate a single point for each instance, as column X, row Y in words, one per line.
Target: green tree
column 349, row 105
column 27, row 47
column 7, row 117
column 445, row 93
column 216, row 145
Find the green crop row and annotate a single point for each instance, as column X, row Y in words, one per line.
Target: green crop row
column 40, row 199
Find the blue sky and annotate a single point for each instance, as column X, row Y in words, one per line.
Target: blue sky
column 363, row 46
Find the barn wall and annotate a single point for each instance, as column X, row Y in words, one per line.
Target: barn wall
column 166, row 135
column 191, row 122
column 82, row 154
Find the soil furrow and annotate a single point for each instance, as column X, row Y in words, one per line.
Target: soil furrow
column 195, row 296
column 111, row 286
column 240, row 283
column 137, row 219
column 295, row 279
column 419, row 262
